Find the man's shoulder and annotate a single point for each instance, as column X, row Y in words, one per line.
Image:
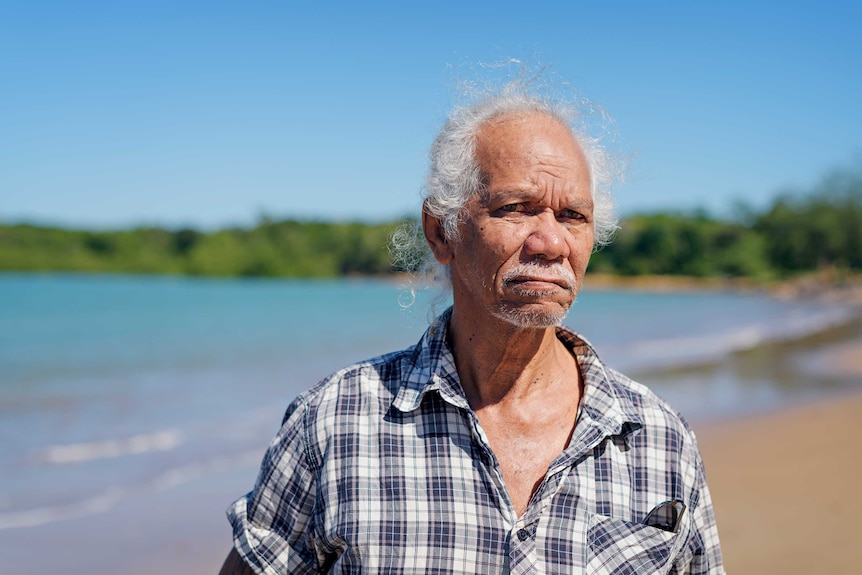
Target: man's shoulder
column 656, row 429
column 640, row 399
column 378, row 377
column 614, row 391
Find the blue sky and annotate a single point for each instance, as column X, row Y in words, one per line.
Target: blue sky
column 211, row 113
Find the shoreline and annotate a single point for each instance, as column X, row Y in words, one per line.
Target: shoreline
column 783, row 482
column 783, row 478
column 827, row 286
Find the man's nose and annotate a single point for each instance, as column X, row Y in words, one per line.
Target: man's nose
column 547, row 238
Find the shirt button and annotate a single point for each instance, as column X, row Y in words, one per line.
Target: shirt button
column 523, row 534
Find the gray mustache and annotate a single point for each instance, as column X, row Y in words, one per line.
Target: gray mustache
column 555, row 272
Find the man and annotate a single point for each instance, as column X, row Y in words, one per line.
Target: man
column 500, row 443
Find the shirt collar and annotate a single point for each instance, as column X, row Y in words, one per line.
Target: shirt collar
column 607, row 404
column 432, row 368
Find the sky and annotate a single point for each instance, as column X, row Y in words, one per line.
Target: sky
column 208, row 114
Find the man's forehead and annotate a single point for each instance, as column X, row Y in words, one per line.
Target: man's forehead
column 512, row 123
column 530, row 144
column 517, row 137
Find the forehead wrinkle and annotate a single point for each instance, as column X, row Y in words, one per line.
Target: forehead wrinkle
column 554, row 179
column 570, row 161
column 552, row 160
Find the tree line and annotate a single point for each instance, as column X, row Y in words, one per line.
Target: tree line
column 287, row 248
column 798, row 232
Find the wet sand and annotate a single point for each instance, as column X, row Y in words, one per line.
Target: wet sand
column 786, row 485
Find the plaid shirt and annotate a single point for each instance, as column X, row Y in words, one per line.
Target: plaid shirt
column 384, row 468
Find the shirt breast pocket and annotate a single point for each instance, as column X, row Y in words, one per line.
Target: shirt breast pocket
column 623, row 548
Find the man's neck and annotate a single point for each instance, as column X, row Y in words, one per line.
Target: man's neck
column 525, row 387
column 498, row 362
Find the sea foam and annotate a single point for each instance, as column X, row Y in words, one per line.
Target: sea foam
column 110, row 448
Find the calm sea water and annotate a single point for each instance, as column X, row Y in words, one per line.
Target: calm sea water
column 114, row 387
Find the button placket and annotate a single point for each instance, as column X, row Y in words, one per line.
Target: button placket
column 522, row 551
column 491, row 467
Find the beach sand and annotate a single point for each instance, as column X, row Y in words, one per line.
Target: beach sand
column 786, row 485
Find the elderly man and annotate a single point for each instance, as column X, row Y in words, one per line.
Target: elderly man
column 500, row 443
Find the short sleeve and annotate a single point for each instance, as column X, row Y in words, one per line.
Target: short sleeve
column 703, row 553
column 273, row 524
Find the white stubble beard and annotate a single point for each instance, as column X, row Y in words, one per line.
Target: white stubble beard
column 536, row 319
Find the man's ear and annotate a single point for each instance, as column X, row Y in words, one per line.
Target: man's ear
column 435, row 235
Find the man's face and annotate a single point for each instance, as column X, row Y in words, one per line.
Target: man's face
column 526, row 240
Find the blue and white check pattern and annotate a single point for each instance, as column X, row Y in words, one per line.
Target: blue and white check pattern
column 384, row 468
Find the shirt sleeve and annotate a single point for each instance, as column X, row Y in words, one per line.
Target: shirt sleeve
column 273, row 524
column 703, row 555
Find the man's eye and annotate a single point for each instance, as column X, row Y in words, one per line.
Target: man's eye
column 516, row 208
column 513, row 208
column 573, row 215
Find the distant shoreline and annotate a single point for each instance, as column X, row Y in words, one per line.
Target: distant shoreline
column 825, row 286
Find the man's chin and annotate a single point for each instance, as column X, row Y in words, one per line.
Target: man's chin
column 532, row 316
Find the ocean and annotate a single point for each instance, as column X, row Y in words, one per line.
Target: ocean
column 121, row 394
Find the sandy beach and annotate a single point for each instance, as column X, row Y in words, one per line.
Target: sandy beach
column 785, row 485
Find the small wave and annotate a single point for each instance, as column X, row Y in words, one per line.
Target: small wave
column 696, row 348
column 180, row 475
column 50, row 514
column 688, row 350
column 114, row 495
column 78, row 452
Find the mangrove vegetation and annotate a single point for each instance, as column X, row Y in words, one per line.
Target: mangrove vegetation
column 798, row 232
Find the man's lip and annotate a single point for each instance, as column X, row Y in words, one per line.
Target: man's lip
column 563, row 283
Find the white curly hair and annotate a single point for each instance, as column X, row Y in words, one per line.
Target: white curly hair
column 454, row 174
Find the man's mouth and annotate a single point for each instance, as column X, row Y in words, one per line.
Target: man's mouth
column 539, row 282
column 540, row 278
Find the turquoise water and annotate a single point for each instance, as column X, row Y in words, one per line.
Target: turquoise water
column 115, row 387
